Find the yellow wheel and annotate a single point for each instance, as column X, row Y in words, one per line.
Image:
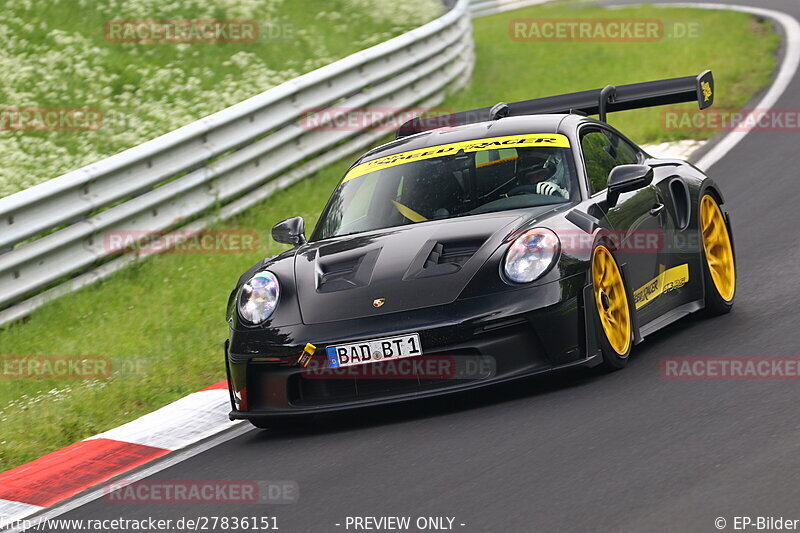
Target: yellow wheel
column 718, row 249
column 612, row 304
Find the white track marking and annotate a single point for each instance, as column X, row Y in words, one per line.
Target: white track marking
column 11, row 511
column 673, row 150
column 179, row 424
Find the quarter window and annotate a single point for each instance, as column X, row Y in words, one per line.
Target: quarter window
column 602, row 151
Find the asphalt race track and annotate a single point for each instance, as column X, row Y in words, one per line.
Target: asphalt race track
column 625, row 452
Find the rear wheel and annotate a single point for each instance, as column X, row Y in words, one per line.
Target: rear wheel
column 719, row 265
column 611, row 301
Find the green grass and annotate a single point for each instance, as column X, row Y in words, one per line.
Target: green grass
column 166, row 317
column 739, row 49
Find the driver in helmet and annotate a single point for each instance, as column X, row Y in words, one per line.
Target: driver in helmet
column 535, row 171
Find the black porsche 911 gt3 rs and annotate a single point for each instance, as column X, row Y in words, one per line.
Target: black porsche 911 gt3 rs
column 514, row 240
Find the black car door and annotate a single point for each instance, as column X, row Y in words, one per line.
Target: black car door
column 637, row 218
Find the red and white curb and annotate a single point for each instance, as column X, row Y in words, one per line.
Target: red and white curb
column 32, row 487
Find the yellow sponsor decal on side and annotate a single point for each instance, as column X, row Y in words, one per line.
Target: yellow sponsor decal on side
column 475, row 145
column 668, row 280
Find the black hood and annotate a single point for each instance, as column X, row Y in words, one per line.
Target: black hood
column 397, row 269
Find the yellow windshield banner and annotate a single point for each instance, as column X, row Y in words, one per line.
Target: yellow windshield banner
column 554, row 140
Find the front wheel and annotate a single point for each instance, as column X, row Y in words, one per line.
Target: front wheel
column 719, row 264
column 611, row 301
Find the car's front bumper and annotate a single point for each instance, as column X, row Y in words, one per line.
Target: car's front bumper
column 489, row 339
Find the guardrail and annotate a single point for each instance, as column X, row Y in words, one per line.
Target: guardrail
column 480, row 8
column 52, row 235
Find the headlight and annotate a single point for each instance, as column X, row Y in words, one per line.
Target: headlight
column 531, row 255
column 258, row 298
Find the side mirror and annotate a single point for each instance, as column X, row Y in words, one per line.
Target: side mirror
column 627, row 178
column 290, row 231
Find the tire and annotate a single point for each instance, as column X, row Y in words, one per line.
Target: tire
column 612, row 309
column 287, row 423
column 719, row 262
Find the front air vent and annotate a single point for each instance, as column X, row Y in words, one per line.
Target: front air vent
column 346, row 273
column 452, row 253
column 441, row 258
column 338, row 276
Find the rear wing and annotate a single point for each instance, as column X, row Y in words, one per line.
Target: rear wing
column 595, row 102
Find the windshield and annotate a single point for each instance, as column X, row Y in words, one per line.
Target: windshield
column 449, row 181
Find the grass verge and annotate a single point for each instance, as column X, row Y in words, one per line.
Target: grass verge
column 739, row 48
column 162, row 321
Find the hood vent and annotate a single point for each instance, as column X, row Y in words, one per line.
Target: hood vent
column 346, row 273
column 441, row 258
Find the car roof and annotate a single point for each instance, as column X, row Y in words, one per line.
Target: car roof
column 481, row 130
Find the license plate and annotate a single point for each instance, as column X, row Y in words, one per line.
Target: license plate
column 359, row 353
